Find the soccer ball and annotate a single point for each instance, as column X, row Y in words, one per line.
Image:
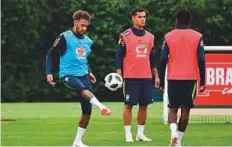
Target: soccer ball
column 113, row 81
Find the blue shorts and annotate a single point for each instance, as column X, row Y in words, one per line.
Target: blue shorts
column 78, row 84
column 138, row 91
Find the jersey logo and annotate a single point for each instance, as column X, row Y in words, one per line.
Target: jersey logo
column 126, row 32
column 56, row 42
column 80, row 54
column 141, row 51
column 121, row 41
column 80, row 51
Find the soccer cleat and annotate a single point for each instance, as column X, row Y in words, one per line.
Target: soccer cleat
column 173, row 142
column 81, row 144
column 129, row 138
column 105, row 111
column 142, row 138
column 179, row 143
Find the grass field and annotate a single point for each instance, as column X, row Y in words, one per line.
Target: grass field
column 55, row 124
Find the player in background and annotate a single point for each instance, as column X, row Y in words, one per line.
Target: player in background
column 183, row 53
column 74, row 47
column 135, row 62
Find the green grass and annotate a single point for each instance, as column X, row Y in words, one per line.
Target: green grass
column 55, row 124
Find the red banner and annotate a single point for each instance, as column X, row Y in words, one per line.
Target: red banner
column 218, row 81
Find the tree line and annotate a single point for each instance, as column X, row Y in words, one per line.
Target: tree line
column 29, row 28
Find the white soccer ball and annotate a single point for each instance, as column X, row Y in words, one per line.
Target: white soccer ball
column 113, row 81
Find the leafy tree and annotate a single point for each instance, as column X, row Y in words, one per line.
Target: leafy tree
column 29, row 27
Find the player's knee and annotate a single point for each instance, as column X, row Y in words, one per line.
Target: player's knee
column 174, row 110
column 143, row 107
column 184, row 119
column 128, row 107
column 184, row 116
column 185, row 111
column 86, row 93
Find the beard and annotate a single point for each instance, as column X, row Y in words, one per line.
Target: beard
column 79, row 30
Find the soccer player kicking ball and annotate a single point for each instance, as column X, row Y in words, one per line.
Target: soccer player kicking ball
column 135, row 62
column 183, row 52
column 74, row 47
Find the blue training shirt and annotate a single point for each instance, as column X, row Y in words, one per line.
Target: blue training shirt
column 74, row 62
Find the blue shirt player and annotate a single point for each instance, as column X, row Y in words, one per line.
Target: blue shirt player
column 74, row 47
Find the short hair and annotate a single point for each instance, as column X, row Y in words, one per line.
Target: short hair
column 137, row 9
column 183, row 16
column 81, row 14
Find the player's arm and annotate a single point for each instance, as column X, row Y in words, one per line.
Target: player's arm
column 154, row 68
column 120, row 53
column 93, row 49
column 201, row 64
column 92, row 78
column 59, row 44
column 163, row 64
column 89, row 68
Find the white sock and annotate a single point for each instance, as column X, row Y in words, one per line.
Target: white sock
column 173, row 127
column 128, row 130
column 140, row 129
column 180, row 135
column 95, row 102
column 80, row 133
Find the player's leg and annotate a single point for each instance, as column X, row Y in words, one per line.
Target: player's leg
column 182, row 123
column 189, row 93
column 131, row 98
column 77, row 84
column 184, row 119
column 86, row 108
column 174, row 93
column 88, row 95
column 172, row 119
column 144, row 99
column 83, row 87
column 127, row 117
column 83, row 123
